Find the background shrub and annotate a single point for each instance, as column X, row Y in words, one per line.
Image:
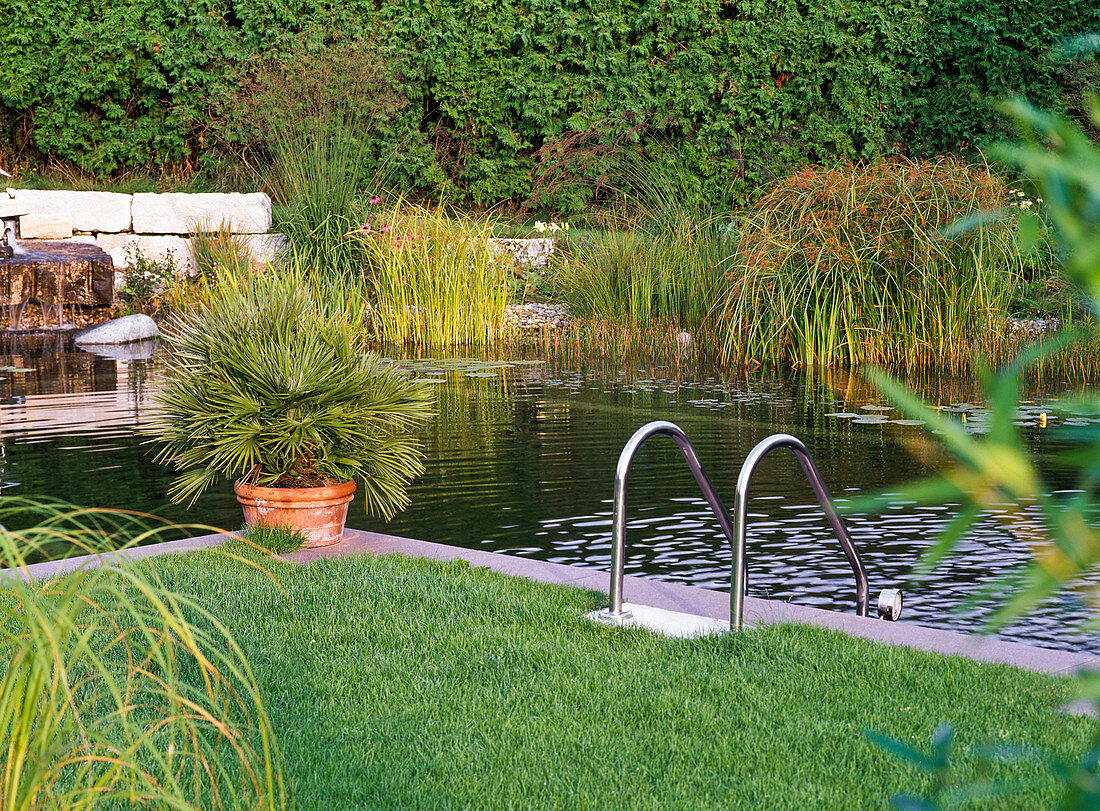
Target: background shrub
column 495, row 94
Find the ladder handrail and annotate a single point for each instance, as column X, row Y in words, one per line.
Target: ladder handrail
column 735, row 533
column 615, row 611
column 740, row 521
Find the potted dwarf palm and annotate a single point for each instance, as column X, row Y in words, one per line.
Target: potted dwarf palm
column 269, row 384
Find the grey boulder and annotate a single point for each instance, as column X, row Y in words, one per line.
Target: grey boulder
column 137, row 350
column 123, row 330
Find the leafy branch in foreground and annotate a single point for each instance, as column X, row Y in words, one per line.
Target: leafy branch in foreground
column 990, row 471
column 945, row 791
column 997, row 468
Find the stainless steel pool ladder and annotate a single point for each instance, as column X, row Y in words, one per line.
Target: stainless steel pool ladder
column 890, row 599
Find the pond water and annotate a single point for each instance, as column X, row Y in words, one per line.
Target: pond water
column 521, row 459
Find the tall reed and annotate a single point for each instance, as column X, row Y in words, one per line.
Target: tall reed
column 640, row 275
column 217, row 250
column 316, row 181
column 851, row 265
column 661, row 260
column 116, row 691
column 435, row 277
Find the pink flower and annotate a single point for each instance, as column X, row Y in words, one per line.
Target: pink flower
column 374, row 200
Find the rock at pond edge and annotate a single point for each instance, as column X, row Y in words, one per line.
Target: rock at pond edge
column 123, row 330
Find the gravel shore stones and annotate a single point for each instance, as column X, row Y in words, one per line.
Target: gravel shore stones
column 536, row 317
column 1033, row 326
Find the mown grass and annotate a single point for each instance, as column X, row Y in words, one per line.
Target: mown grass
column 398, row 683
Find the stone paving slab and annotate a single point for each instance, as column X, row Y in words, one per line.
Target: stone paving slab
column 658, row 594
column 662, row 621
column 52, row 568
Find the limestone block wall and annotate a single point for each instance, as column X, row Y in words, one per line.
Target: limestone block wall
column 155, row 225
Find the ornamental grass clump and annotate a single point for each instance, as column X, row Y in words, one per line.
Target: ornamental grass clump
column 271, row 383
column 640, row 275
column 852, row 265
column 115, row 690
column 435, row 277
column 315, row 180
column 659, row 264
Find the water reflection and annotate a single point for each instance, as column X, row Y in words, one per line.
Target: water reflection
column 521, row 458
column 68, row 426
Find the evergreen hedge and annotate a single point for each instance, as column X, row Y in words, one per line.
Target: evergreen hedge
column 503, row 99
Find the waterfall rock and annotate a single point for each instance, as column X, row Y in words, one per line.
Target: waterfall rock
column 123, row 330
column 57, row 273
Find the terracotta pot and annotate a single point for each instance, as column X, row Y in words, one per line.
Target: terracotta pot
column 319, row 512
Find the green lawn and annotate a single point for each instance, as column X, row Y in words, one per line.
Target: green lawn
column 398, row 683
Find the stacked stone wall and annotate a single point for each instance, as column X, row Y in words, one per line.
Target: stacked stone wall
column 155, row 226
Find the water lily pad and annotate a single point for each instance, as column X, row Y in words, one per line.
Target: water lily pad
column 907, row 422
column 16, row 369
column 843, row 414
column 481, row 374
column 876, row 408
column 869, row 420
column 429, row 380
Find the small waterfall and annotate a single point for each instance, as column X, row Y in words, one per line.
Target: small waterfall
column 15, row 315
column 58, row 278
column 59, row 301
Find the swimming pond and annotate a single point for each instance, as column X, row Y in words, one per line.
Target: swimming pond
column 521, row 458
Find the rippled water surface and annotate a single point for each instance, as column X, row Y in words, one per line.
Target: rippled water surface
column 521, row 457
